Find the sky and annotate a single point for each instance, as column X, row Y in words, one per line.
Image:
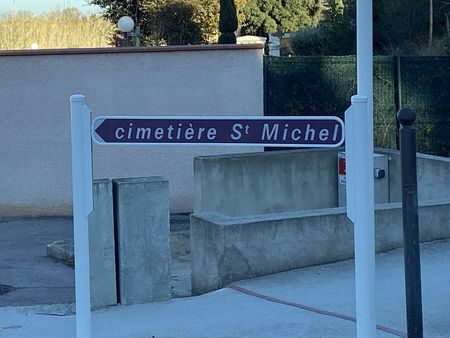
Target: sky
column 41, row 6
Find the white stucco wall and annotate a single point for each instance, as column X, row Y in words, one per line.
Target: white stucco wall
column 35, row 167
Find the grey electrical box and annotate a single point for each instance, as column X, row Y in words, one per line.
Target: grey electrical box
column 380, row 174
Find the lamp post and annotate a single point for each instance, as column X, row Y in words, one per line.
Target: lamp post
column 126, row 25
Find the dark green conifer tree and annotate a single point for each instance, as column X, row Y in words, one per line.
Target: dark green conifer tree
column 228, row 22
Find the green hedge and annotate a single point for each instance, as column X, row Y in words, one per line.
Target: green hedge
column 324, row 86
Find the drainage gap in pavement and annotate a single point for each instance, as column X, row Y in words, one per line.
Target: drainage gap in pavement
column 5, row 289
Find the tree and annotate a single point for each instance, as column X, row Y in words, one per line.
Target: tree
column 228, row 22
column 197, row 21
column 264, row 17
column 335, row 10
column 165, row 21
column 400, row 27
column 335, row 35
column 171, row 22
column 407, row 27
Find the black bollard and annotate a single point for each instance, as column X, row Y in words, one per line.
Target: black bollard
column 406, row 116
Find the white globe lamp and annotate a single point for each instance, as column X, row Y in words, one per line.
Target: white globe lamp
column 125, row 24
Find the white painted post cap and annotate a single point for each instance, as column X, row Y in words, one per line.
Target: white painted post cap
column 359, row 99
column 77, row 98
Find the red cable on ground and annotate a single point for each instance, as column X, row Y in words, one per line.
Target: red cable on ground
column 311, row 309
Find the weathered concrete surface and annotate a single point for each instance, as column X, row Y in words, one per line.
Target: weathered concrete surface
column 295, row 180
column 263, row 183
column 180, row 276
column 37, row 279
column 433, row 174
column 180, row 257
column 102, row 247
column 142, row 221
column 262, row 213
column 227, row 249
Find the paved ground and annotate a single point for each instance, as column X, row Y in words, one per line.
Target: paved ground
column 311, row 302
column 37, row 279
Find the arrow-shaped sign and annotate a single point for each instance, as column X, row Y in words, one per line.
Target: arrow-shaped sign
column 298, row 131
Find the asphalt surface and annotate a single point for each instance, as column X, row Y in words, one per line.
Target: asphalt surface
column 312, row 302
column 29, row 277
column 24, row 266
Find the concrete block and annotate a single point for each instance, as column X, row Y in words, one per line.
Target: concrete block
column 266, row 182
column 101, row 246
column 227, row 249
column 142, row 224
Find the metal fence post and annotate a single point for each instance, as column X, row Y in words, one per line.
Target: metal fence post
column 410, row 208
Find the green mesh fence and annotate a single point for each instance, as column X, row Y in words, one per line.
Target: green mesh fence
column 425, row 86
column 384, row 99
column 324, row 86
column 309, row 85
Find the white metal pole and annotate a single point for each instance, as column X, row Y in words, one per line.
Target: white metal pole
column 364, row 184
column 363, row 213
column 364, row 50
column 81, row 181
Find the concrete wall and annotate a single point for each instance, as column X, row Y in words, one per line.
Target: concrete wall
column 262, row 213
column 433, row 176
column 226, row 249
column 295, row 180
column 35, row 170
column 263, row 183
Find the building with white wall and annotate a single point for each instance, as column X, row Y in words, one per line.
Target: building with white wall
column 35, row 167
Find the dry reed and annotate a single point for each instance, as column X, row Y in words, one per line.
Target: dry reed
column 66, row 28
